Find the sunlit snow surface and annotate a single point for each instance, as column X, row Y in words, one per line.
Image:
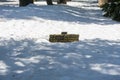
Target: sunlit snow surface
column 26, row 53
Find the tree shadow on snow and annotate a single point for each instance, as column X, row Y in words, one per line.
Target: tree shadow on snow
column 66, row 13
column 84, row 60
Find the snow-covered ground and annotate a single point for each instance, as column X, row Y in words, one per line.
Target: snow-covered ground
column 26, row 53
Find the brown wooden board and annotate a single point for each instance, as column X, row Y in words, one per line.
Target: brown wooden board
column 64, row 37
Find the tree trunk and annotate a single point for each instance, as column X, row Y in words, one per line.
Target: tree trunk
column 25, row 2
column 62, row 2
column 49, row 2
column 102, row 2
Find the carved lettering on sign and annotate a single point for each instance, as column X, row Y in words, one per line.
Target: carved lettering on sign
column 64, row 37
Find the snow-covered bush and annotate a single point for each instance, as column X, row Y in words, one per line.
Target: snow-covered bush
column 112, row 10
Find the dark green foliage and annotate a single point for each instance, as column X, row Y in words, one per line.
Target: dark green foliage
column 62, row 2
column 49, row 2
column 112, row 9
column 116, row 13
column 25, row 2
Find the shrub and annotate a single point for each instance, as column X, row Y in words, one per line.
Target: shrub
column 112, row 10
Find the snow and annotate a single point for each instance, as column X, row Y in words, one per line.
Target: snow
column 110, row 69
column 27, row 54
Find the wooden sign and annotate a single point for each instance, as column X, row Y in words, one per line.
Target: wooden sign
column 63, row 37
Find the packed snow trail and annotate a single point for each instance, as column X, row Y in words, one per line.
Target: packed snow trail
column 26, row 53
column 84, row 60
column 40, row 20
